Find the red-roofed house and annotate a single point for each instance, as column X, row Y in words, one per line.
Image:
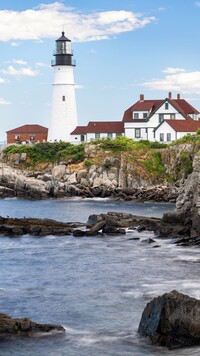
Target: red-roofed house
column 98, row 129
column 27, row 133
column 154, row 120
column 170, row 130
column 141, row 120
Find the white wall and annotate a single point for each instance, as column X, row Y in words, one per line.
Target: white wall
column 64, row 113
column 165, row 129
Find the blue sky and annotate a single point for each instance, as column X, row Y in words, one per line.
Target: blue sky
column 122, row 49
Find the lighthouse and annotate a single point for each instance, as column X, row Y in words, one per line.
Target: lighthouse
column 64, row 112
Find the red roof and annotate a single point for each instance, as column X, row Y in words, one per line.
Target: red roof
column 100, row 127
column 79, row 130
column 184, row 125
column 151, row 106
column 141, row 105
column 28, row 129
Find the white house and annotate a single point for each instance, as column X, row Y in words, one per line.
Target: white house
column 170, row 130
column 162, row 120
column 97, row 129
column 142, row 120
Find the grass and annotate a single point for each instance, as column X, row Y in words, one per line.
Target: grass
column 48, row 152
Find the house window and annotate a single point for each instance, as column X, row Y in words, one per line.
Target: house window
column 144, row 115
column 118, row 134
column 109, row 135
column 32, row 137
column 168, row 137
column 97, row 135
column 82, row 138
column 161, row 137
column 17, row 137
column 137, row 133
column 172, row 116
column 63, row 98
column 161, row 118
column 166, row 106
column 136, row 115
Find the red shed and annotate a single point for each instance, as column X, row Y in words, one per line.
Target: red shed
column 27, row 133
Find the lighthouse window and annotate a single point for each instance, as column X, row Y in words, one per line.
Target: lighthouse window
column 63, row 98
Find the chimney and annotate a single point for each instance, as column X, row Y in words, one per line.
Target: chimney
column 141, row 97
column 178, row 96
column 170, row 95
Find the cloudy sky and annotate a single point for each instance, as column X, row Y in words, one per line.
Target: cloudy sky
column 122, row 49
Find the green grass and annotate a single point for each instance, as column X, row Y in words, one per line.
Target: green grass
column 154, row 165
column 121, row 144
column 48, row 152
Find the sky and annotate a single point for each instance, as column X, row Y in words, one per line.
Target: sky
column 122, row 49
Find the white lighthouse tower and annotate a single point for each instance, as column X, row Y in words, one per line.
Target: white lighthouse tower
column 64, row 113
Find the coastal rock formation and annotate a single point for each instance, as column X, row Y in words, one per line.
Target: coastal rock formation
column 36, row 227
column 187, row 210
column 95, row 182
column 171, row 320
column 13, row 328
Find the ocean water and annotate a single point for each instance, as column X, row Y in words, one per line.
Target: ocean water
column 96, row 287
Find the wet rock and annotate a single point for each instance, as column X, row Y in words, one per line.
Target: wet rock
column 171, row 320
column 13, row 328
column 95, row 229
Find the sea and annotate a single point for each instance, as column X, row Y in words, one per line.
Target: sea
column 96, row 287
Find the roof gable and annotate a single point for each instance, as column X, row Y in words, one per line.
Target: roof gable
column 100, row 127
column 29, row 129
column 182, row 125
column 181, row 105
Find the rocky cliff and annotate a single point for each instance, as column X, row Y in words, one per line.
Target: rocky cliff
column 188, row 202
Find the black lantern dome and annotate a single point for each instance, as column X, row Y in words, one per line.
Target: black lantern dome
column 63, row 53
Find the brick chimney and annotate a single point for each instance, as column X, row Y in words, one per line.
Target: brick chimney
column 141, row 97
column 178, row 96
column 170, row 95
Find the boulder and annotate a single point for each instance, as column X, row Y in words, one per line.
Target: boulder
column 171, row 320
column 13, row 328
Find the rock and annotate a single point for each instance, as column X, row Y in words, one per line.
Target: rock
column 171, row 320
column 13, row 328
column 58, row 172
column 78, row 233
column 95, row 229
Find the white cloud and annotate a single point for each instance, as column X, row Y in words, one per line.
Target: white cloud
column 26, row 72
column 171, row 70
column 19, row 61
column 177, row 79
column 2, row 80
column 197, row 3
column 4, row 102
column 47, row 20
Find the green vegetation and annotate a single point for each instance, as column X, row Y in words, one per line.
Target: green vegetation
column 48, row 152
column 190, row 139
column 121, row 144
column 88, row 163
column 185, row 165
column 154, row 165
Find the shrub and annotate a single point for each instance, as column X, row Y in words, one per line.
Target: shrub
column 88, row 163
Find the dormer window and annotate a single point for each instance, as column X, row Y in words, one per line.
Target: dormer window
column 166, row 106
column 136, row 115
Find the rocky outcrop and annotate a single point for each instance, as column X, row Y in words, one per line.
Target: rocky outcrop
column 171, row 320
column 14, row 328
column 93, row 182
column 115, row 221
column 36, row 227
column 187, row 210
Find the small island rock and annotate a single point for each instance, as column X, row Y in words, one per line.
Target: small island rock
column 13, row 328
column 172, row 320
